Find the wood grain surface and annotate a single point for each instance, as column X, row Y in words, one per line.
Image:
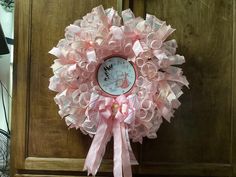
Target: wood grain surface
column 200, row 141
column 46, row 129
column 201, row 129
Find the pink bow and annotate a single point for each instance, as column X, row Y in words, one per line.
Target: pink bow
column 112, row 114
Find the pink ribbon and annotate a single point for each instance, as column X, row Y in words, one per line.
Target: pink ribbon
column 111, row 115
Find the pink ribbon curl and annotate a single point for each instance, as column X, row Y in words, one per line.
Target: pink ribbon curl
column 113, row 115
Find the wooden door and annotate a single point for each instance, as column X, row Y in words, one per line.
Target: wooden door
column 200, row 141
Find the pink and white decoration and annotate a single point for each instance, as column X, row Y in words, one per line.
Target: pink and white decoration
column 116, row 77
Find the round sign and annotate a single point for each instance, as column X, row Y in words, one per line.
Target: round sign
column 116, row 76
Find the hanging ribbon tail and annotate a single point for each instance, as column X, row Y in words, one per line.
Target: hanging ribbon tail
column 133, row 160
column 122, row 162
column 117, row 157
column 98, row 147
column 127, row 171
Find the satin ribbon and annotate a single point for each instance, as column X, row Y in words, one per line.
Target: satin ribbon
column 111, row 114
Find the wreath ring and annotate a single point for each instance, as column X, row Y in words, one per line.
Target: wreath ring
column 102, row 102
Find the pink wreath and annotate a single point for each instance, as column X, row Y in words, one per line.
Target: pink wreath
column 136, row 114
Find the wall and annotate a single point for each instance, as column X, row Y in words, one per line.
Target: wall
column 6, row 19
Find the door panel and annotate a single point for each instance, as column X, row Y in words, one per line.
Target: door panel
column 49, row 19
column 201, row 129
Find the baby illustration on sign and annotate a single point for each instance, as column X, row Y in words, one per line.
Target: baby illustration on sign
column 123, row 83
